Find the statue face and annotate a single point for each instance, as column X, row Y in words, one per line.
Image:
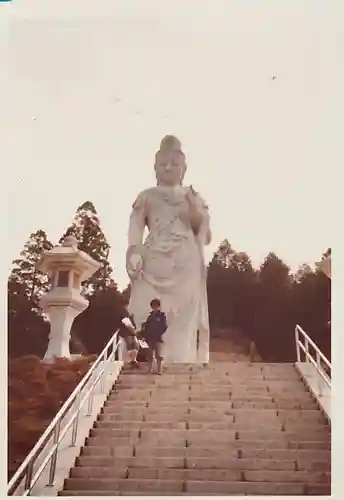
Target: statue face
column 170, row 168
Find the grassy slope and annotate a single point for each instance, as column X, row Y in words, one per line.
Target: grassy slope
column 35, row 394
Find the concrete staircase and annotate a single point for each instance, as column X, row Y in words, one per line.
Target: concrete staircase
column 225, row 429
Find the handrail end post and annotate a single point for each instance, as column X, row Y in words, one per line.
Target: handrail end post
column 297, row 339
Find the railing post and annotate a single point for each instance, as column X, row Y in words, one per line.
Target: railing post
column 103, row 377
column 76, row 421
column 307, row 350
column 318, row 360
column 91, row 396
column 120, row 350
column 114, row 347
column 297, row 339
column 28, row 477
column 54, row 456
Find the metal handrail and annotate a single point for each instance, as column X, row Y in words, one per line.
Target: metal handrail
column 319, row 356
column 97, row 372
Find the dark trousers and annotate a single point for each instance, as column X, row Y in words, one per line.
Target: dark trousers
column 155, row 350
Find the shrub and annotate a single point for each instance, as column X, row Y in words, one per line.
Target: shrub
column 36, row 391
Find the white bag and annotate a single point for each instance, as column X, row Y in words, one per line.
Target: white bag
column 127, row 322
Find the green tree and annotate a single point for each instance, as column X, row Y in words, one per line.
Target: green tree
column 224, row 254
column 273, row 325
column 27, row 327
column 302, row 273
column 231, row 285
column 91, row 239
column 34, row 282
column 265, row 305
column 311, row 306
column 219, row 287
column 244, row 279
column 94, row 326
column 126, row 293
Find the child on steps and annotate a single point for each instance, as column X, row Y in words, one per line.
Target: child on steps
column 152, row 331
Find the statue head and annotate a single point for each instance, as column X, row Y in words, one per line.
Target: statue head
column 170, row 164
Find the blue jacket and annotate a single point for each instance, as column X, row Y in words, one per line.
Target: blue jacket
column 155, row 326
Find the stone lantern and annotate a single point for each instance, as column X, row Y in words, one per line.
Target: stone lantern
column 67, row 267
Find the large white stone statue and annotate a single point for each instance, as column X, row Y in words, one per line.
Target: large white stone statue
column 169, row 264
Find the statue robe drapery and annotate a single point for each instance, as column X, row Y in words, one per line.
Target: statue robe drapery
column 173, row 270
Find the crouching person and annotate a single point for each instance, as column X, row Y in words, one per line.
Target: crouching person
column 152, row 331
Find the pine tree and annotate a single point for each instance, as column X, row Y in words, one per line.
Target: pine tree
column 274, row 325
column 223, row 255
column 25, row 275
column 311, row 305
column 274, row 272
column 91, row 239
column 302, row 273
column 28, row 328
column 231, row 285
column 126, row 293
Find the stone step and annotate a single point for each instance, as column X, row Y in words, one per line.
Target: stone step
column 248, row 489
column 226, row 367
column 253, row 488
column 164, row 486
column 240, row 379
column 149, row 473
column 212, row 435
column 201, row 395
column 146, row 485
column 225, row 462
column 192, row 384
column 246, row 418
column 269, row 414
column 210, row 381
column 285, row 404
column 284, row 473
column 205, row 422
column 172, row 448
column 234, row 392
column 228, row 435
column 200, row 383
column 248, row 403
column 227, row 428
column 147, row 424
column 306, row 413
column 303, row 455
column 120, row 451
column 251, row 459
column 125, row 462
column 240, row 376
column 181, row 417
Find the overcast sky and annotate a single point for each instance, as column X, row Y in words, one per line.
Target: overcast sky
column 91, row 88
